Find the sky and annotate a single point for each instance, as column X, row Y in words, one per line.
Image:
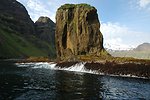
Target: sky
column 124, row 23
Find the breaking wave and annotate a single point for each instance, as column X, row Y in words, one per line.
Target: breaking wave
column 79, row 67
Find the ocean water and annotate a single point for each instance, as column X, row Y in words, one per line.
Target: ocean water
column 45, row 81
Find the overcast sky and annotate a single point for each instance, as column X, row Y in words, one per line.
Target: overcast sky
column 124, row 23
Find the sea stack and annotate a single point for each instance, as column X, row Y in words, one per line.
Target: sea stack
column 78, row 31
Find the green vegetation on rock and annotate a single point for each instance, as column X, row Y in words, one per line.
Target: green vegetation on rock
column 71, row 6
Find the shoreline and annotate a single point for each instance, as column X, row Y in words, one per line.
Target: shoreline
column 81, row 68
column 134, row 68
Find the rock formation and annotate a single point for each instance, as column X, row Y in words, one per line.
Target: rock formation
column 77, row 31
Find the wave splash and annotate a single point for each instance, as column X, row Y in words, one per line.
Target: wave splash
column 79, row 67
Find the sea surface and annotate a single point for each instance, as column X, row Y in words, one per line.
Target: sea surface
column 41, row 81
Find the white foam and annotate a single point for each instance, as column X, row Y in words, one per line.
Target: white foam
column 37, row 65
column 24, row 64
column 79, row 67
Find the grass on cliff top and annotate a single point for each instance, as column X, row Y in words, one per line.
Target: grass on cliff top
column 71, row 6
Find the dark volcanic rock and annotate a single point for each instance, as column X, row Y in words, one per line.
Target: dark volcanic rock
column 14, row 15
column 45, row 29
column 77, row 31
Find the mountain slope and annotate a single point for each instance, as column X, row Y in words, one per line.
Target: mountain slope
column 143, row 47
column 14, row 15
column 142, row 51
column 18, row 38
column 14, row 46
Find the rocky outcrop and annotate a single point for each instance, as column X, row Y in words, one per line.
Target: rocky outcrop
column 45, row 29
column 77, row 31
column 14, row 15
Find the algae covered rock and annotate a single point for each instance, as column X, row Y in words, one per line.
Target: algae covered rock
column 78, row 31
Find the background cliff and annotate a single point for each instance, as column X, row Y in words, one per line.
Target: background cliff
column 77, row 31
column 45, row 30
column 19, row 35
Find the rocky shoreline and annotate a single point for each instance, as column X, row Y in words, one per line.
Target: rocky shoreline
column 115, row 69
column 115, row 66
column 131, row 68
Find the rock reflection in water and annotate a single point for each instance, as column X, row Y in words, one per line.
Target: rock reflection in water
column 77, row 86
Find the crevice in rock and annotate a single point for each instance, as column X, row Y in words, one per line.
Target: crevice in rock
column 91, row 17
column 64, row 37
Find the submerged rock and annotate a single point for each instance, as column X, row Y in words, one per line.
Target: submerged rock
column 78, row 31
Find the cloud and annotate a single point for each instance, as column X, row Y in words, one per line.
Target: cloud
column 140, row 5
column 37, row 8
column 120, row 37
column 116, row 44
column 144, row 3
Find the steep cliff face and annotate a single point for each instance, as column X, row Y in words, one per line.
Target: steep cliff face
column 77, row 31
